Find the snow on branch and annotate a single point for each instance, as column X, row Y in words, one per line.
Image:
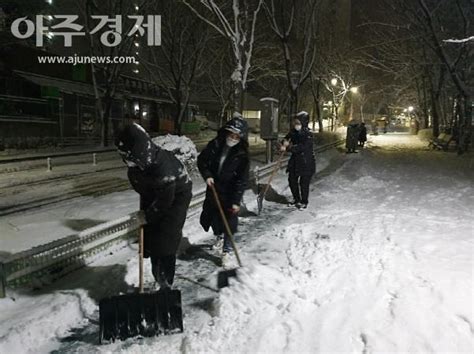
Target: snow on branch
column 465, row 40
column 235, row 29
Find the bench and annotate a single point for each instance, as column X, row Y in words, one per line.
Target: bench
column 441, row 142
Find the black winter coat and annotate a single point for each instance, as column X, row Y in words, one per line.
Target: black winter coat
column 352, row 136
column 302, row 161
column 363, row 134
column 230, row 183
column 164, row 187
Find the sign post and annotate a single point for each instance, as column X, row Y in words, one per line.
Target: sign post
column 269, row 124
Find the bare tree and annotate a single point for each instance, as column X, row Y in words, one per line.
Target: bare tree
column 218, row 73
column 452, row 59
column 105, row 76
column 236, row 23
column 294, row 26
column 439, row 68
column 178, row 62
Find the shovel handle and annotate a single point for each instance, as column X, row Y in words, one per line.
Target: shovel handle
column 140, row 261
column 277, row 167
column 226, row 224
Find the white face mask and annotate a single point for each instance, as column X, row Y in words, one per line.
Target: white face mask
column 231, row 142
column 298, row 127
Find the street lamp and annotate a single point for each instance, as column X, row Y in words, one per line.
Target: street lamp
column 334, row 82
column 354, row 89
column 410, row 109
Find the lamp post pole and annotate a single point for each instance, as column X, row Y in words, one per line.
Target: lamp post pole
column 354, row 90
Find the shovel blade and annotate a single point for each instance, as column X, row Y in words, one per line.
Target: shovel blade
column 223, row 277
column 146, row 315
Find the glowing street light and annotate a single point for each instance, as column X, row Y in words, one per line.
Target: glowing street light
column 354, row 89
column 410, row 109
column 334, row 82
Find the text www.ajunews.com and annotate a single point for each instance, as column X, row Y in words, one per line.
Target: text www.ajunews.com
column 76, row 59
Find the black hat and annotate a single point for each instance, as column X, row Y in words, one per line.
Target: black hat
column 303, row 117
column 135, row 146
column 238, row 126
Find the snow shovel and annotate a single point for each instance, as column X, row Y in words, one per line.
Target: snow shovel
column 140, row 314
column 261, row 196
column 224, row 275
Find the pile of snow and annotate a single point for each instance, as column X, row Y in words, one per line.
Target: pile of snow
column 33, row 323
column 181, row 146
column 397, row 142
column 425, row 134
column 368, row 183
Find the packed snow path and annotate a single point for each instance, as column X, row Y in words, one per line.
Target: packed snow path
column 381, row 261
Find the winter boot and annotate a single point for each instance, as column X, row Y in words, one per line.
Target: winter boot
column 218, row 244
column 161, row 283
column 228, row 260
column 293, row 203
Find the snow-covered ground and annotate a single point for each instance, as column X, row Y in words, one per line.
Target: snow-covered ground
column 381, row 261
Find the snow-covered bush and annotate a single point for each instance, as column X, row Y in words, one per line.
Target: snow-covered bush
column 425, row 134
column 182, row 147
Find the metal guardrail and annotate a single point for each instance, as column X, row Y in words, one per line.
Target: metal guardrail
column 44, row 156
column 53, row 260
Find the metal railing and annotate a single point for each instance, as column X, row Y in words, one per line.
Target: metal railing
column 45, row 263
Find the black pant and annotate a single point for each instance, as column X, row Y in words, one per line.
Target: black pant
column 163, row 269
column 219, row 228
column 299, row 186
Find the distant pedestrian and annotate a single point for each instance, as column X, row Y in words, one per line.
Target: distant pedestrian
column 224, row 163
column 165, row 193
column 302, row 164
column 352, row 136
column 362, row 134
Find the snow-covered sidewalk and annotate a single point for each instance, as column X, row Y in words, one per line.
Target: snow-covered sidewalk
column 381, row 261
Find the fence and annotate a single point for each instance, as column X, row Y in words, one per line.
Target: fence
column 53, row 260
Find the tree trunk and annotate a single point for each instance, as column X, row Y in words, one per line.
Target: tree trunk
column 435, row 112
column 293, row 103
column 238, row 97
column 106, row 121
column 177, row 115
column 317, row 103
column 465, row 116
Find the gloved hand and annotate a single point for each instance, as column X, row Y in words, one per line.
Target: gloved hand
column 140, row 217
column 284, row 145
column 234, row 210
column 210, row 181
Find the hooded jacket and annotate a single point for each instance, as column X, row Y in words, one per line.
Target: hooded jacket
column 230, row 181
column 164, row 187
column 302, row 161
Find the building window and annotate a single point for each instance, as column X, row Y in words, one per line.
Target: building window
column 251, row 114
